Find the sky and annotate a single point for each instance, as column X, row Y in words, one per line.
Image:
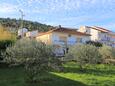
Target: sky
column 67, row 13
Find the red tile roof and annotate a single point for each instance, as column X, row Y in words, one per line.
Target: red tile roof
column 102, row 29
column 65, row 30
column 99, row 29
column 112, row 36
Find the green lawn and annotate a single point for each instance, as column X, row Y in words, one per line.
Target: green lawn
column 93, row 75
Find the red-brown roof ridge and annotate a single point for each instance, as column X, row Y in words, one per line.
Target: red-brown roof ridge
column 65, row 30
column 99, row 29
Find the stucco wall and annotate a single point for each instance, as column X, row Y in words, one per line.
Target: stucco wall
column 72, row 39
column 54, row 38
column 94, row 35
column 44, row 38
column 85, row 29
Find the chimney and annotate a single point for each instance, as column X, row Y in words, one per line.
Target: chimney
column 59, row 26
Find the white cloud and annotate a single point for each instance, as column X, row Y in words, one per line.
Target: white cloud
column 46, row 6
column 7, row 8
column 50, row 5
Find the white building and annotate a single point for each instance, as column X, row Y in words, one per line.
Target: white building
column 32, row 34
column 99, row 34
column 22, row 32
column 112, row 35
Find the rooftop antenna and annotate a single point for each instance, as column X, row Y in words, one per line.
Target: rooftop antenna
column 22, row 15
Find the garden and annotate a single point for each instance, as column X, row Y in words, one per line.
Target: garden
column 94, row 75
column 27, row 62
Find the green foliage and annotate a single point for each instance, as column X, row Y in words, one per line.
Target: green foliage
column 3, row 45
column 94, row 75
column 7, row 22
column 107, row 52
column 89, row 54
column 35, row 56
column 84, row 54
column 97, row 44
column 6, row 39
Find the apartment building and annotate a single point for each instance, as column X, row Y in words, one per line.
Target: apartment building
column 99, row 34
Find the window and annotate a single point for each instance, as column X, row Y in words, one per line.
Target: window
column 63, row 39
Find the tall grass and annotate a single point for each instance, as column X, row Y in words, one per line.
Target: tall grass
column 5, row 34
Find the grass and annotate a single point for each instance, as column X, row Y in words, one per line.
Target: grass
column 93, row 75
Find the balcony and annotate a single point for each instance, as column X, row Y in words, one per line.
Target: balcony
column 105, row 39
column 64, row 42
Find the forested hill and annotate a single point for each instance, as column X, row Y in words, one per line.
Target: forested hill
column 15, row 24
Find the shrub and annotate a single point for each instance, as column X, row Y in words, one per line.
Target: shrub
column 6, row 39
column 35, row 56
column 97, row 44
column 107, row 52
column 84, row 54
column 3, row 45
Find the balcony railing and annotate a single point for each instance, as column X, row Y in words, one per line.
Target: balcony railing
column 105, row 39
column 65, row 42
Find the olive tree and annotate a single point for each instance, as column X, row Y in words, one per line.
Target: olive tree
column 107, row 53
column 3, row 45
column 97, row 44
column 84, row 54
column 35, row 56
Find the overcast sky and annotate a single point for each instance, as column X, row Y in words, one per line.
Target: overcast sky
column 68, row 13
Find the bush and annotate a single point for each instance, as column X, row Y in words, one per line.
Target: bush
column 107, row 52
column 6, row 39
column 84, row 54
column 97, row 44
column 35, row 56
column 3, row 45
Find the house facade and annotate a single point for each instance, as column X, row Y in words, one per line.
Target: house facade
column 22, row 32
column 62, row 38
column 112, row 35
column 99, row 34
column 32, row 34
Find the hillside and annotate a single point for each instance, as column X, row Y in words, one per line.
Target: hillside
column 15, row 24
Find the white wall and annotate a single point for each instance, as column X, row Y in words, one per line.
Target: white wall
column 32, row 33
column 85, row 29
column 22, row 31
column 94, row 35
